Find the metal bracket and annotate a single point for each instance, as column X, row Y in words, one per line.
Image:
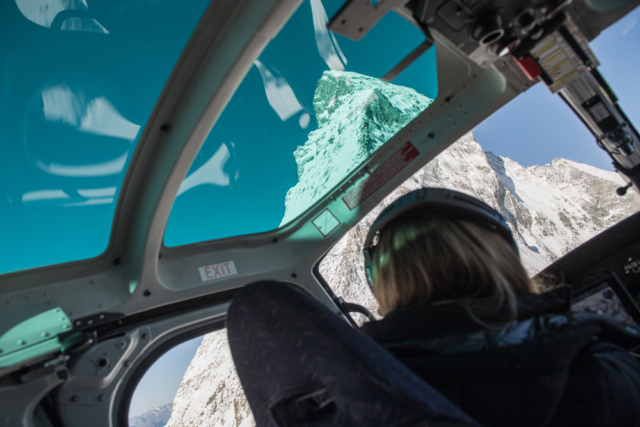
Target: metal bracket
column 408, row 60
column 95, row 375
column 20, row 398
column 358, row 17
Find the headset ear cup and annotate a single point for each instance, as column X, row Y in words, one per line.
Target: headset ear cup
column 368, row 266
column 369, row 273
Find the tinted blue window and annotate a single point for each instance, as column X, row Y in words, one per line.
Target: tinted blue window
column 78, row 85
column 247, row 176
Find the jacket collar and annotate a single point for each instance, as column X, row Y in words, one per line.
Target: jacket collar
column 424, row 320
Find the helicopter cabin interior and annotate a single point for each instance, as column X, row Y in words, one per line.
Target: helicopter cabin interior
column 147, row 166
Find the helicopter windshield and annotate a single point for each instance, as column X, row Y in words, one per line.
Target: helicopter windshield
column 286, row 138
column 79, row 84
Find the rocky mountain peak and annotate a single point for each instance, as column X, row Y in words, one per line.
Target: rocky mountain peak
column 356, row 114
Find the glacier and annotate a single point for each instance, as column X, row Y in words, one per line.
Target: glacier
column 551, row 209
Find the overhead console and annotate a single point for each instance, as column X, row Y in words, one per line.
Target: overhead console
column 604, row 272
column 547, row 39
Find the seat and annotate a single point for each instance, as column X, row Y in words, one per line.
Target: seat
column 301, row 365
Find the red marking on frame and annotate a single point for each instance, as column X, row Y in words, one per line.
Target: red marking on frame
column 383, row 174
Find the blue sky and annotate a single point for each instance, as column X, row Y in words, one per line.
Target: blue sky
column 534, row 128
column 160, row 383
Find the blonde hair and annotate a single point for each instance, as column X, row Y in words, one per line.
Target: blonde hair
column 426, row 258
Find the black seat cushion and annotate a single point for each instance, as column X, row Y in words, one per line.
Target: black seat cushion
column 301, row 365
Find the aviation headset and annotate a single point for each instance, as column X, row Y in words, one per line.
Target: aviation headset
column 449, row 203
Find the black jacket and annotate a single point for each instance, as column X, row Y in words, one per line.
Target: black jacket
column 551, row 367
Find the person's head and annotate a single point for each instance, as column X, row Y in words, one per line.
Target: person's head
column 425, row 255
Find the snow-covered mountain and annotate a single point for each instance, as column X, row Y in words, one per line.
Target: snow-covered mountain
column 356, row 114
column 210, row 393
column 551, row 210
column 154, row 417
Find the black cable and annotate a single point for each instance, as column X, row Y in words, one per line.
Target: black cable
column 350, row 307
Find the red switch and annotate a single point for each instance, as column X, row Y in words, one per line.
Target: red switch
column 529, row 66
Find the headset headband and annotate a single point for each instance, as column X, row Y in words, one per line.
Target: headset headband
column 450, row 204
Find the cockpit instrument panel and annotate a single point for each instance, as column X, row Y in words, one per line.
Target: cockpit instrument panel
column 605, row 271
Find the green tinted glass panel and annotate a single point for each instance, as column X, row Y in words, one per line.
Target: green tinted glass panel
column 79, row 81
column 310, row 110
column 33, row 337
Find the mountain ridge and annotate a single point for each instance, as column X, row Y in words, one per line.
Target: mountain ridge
column 154, row 417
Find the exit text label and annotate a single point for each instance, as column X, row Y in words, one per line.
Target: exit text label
column 217, row 271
